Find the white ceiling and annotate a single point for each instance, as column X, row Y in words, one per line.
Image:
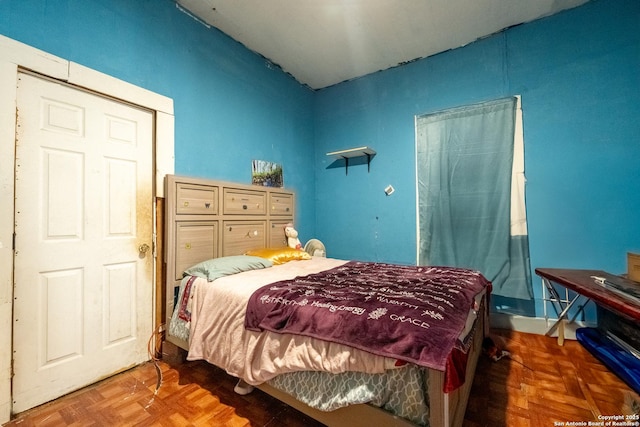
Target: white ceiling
column 324, row 42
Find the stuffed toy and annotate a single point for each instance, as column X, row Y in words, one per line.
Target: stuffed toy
column 491, row 349
column 292, row 237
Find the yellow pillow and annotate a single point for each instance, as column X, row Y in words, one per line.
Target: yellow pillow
column 280, row 255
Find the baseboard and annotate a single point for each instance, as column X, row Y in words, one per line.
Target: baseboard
column 534, row 325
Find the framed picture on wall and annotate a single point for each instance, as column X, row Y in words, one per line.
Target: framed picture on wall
column 266, row 174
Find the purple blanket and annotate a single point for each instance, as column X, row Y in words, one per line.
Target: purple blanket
column 410, row 313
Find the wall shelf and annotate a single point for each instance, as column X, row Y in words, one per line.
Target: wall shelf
column 351, row 153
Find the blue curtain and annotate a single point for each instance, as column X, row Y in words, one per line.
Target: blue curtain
column 464, row 170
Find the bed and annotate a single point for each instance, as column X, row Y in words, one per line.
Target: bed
column 241, row 318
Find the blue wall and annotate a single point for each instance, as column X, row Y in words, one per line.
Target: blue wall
column 231, row 105
column 578, row 73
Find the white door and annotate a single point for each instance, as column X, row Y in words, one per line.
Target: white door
column 83, row 281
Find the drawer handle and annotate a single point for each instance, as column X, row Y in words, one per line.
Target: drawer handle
column 186, row 204
column 187, row 245
column 244, row 207
column 273, row 208
column 207, row 205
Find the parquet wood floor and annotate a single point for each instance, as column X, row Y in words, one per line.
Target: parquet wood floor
column 542, row 385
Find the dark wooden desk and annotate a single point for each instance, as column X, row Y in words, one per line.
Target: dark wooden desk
column 587, row 288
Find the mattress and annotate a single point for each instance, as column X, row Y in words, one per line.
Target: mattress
column 397, row 391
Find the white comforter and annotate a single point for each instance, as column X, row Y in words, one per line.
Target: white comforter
column 217, row 332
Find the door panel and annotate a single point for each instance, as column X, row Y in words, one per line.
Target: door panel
column 61, row 322
column 83, row 290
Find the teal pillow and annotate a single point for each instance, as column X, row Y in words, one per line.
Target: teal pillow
column 215, row 268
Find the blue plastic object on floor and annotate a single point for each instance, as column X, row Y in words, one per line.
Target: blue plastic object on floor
column 619, row 360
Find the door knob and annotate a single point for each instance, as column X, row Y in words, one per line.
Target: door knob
column 144, row 248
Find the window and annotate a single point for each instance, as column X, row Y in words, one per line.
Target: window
column 470, row 184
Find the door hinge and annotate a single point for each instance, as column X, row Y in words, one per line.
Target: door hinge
column 153, row 244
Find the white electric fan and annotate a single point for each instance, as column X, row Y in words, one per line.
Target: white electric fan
column 315, row 247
